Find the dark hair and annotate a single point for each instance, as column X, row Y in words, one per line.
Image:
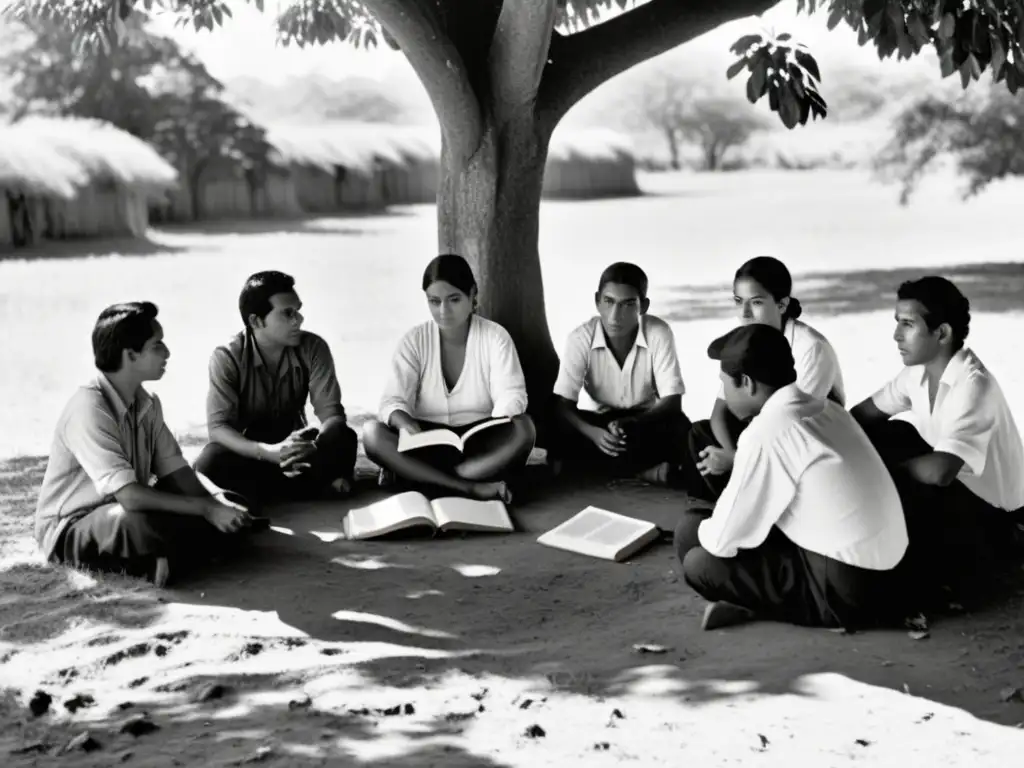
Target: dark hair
column 774, row 277
column 452, row 269
column 624, row 273
column 943, row 303
column 255, row 296
column 120, row 327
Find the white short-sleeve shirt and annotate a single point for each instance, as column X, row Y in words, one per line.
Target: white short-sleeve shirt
column 804, row 465
column 816, row 363
column 649, row 372
column 491, row 383
column 971, row 420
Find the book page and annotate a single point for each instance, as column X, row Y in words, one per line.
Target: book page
column 599, row 533
column 453, row 512
column 403, row 510
column 432, row 437
column 484, row 425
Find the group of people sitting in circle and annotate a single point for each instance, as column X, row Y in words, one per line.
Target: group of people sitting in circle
column 793, row 507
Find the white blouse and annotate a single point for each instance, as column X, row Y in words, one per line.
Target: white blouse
column 491, row 383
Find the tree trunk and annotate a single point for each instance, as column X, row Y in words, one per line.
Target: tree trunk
column 673, row 148
column 488, row 210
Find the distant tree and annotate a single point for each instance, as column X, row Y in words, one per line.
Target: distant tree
column 684, row 111
column 983, row 133
column 145, row 85
column 355, row 100
column 501, row 74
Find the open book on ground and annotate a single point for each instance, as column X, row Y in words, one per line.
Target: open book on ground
column 412, row 510
column 433, row 438
column 600, row 533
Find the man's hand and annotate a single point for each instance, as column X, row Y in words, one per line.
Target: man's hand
column 226, row 516
column 715, row 461
column 295, row 451
column 607, row 441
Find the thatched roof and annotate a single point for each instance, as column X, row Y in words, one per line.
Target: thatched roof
column 359, row 146
column 78, row 152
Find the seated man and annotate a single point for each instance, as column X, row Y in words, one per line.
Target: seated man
column 96, row 508
column 959, row 463
column 260, row 445
column 809, row 529
column 625, row 360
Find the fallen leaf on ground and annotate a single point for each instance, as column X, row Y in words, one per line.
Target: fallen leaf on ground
column 1011, row 694
column 918, row 622
column 764, row 740
column 602, row 746
column 862, row 742
column 83, row 741
column 304, row 703
column 28, row 749
column 650, row 648
column 40, row 703
column 259, row 755
column 211, row 692
column 923, row 634
column 534, row 732
column 617, row 714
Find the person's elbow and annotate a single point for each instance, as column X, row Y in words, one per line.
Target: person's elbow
column 218, row 433
column 131, row 497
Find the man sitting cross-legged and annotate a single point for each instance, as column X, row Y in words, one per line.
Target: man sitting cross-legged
column 96, row 507
column 959, row 464
column 626, row 361
column 260, row 445
column 809, row 528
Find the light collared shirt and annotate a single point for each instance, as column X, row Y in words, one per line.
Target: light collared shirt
column 970, row 420
column 804, row 465
column 244, row 392
column 491, row 383
column 649, row 372
column 815, row 362
column 101, row 445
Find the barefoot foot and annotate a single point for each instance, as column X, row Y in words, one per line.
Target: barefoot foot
column 341, row 486
column 725, row 614
column 492, row 491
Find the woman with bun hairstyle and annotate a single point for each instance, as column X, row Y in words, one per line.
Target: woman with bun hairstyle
column 761, row 293
column 453, row 372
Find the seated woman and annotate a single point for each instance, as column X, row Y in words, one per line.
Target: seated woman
column 761, row 292
column 453, row 372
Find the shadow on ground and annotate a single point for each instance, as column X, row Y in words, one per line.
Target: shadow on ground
column 409, row 614
column 327, row 224
column 991, row 287
column 100, row 247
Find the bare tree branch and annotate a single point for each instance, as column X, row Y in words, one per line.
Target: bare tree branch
column 580, row 62
column 519, row 51
column 419, row 33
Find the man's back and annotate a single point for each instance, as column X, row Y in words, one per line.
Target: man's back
column 806, row 466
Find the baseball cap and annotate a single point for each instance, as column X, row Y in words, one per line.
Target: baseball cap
column 759, row 351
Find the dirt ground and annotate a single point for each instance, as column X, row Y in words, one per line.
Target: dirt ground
column 471, row 651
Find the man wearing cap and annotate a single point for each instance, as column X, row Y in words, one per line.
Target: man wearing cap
column 810, row 528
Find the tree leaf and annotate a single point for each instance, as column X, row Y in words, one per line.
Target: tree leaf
column 947, row 27
column 736, row 67
column 784, row 37
column 998, row 53
column 808, row 62
column 745, row 43
column 835, row 17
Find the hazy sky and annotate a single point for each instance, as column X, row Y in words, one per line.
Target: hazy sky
column 247, row 46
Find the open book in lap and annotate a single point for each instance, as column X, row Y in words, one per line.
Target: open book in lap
column 450, row 438
column 600, row 533
column 413, row 510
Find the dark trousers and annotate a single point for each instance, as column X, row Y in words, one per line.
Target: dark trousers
column 708, row 487
column 781, row 581
column 259, row 482
column 113, row 539
column 954, row 534
column 649, row 443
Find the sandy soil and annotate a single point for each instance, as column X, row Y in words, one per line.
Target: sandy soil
column 475, row 651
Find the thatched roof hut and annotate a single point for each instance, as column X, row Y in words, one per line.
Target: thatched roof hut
column 66, row 178
column 590, row 163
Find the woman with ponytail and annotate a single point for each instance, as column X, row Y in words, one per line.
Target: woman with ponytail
column 453, row 372
column 761, row 293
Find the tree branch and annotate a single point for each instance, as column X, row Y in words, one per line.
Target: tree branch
column 580, row 62
column 439, row 67
column 519, row 51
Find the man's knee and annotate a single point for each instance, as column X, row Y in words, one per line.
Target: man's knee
column 525, row 432
column 703, row 571
column 214, row 459
column 686, row 538
column 375, row 434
